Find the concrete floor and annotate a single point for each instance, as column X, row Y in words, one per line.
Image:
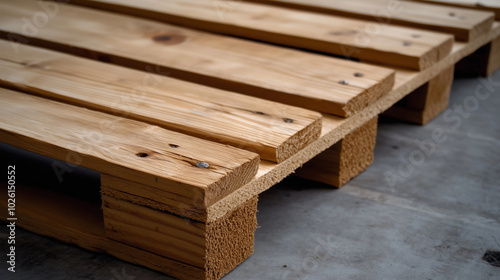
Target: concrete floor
column 434, row 219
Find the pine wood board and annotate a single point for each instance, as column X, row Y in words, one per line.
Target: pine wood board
column 287, row 76
column 273, row 130
column 334, row 128
column 390, row 45
column 485, row 5
column 81, row 223
column 122, row 147
column 464, row 24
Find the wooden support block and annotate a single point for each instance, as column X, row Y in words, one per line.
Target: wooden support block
column 483, row 62
column 129, row 149
column 306, row 80
column 344, row 160
column 273, row 130
column 228, row 240
column 216, row 247
column 426, row 102
column 390, row 45
column 465, row 24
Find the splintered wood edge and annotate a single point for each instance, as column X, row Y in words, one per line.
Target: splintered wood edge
column 370, row 95
column 299, row 140
column 341, row 127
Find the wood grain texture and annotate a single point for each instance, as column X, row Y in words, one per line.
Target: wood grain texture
column 389, row 45
column 274, row 73
column 273, row 130
column 81, row 223
column 216, row 247
column 155, row 198
column 334, row 128
column 426, row 102
column 133, row 150
column 345, row 160
column 484, row 5
column 464, row 24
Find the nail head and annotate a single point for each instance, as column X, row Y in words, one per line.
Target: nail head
column 202, row 164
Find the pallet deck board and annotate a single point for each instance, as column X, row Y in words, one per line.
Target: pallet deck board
column 273, row 130
column 123, row 147
column 335, row 128
column 306, row 80
column 485, row 5
column 391, row 45
column 464, row 24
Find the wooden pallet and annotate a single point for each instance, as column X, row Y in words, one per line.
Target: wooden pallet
column 170, row 119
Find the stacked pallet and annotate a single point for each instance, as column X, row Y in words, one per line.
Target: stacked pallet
column 189, row 111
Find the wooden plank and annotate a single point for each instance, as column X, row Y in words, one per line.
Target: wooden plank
column 465, row 24
column 345, row 160
column 273, row 130
column 390, row 45
column 133, row 150
column 274, row 73
column 81, row 223
column 426, row 102
column 334, row 128
column 484, row 5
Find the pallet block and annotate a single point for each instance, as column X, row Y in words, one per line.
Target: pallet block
column 229, row 240
column 426, row 102
column 345, row 160
column 483, row 62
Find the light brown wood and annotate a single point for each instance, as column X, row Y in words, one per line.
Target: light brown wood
column 390, row 45
column 274, row 73
column 81, row 223
column 426, row 102
column 273, row 130
column 133, row 150
column 345, row 160
column 216, row 247
column 483, row 62
column 464, row 24
column 334, row 128
column 485, row 5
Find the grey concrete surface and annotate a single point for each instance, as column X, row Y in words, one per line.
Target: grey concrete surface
column 421, row 211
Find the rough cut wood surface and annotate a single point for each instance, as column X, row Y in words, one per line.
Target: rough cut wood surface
column 390, row 45
column 485, row 5
column 426, row 102
column 130, row 149
column 273, row 130
column 217, row 247
column 81, row 223
column 465, row 24
column 335, row 128
column 346, row 159
column 287, row 76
